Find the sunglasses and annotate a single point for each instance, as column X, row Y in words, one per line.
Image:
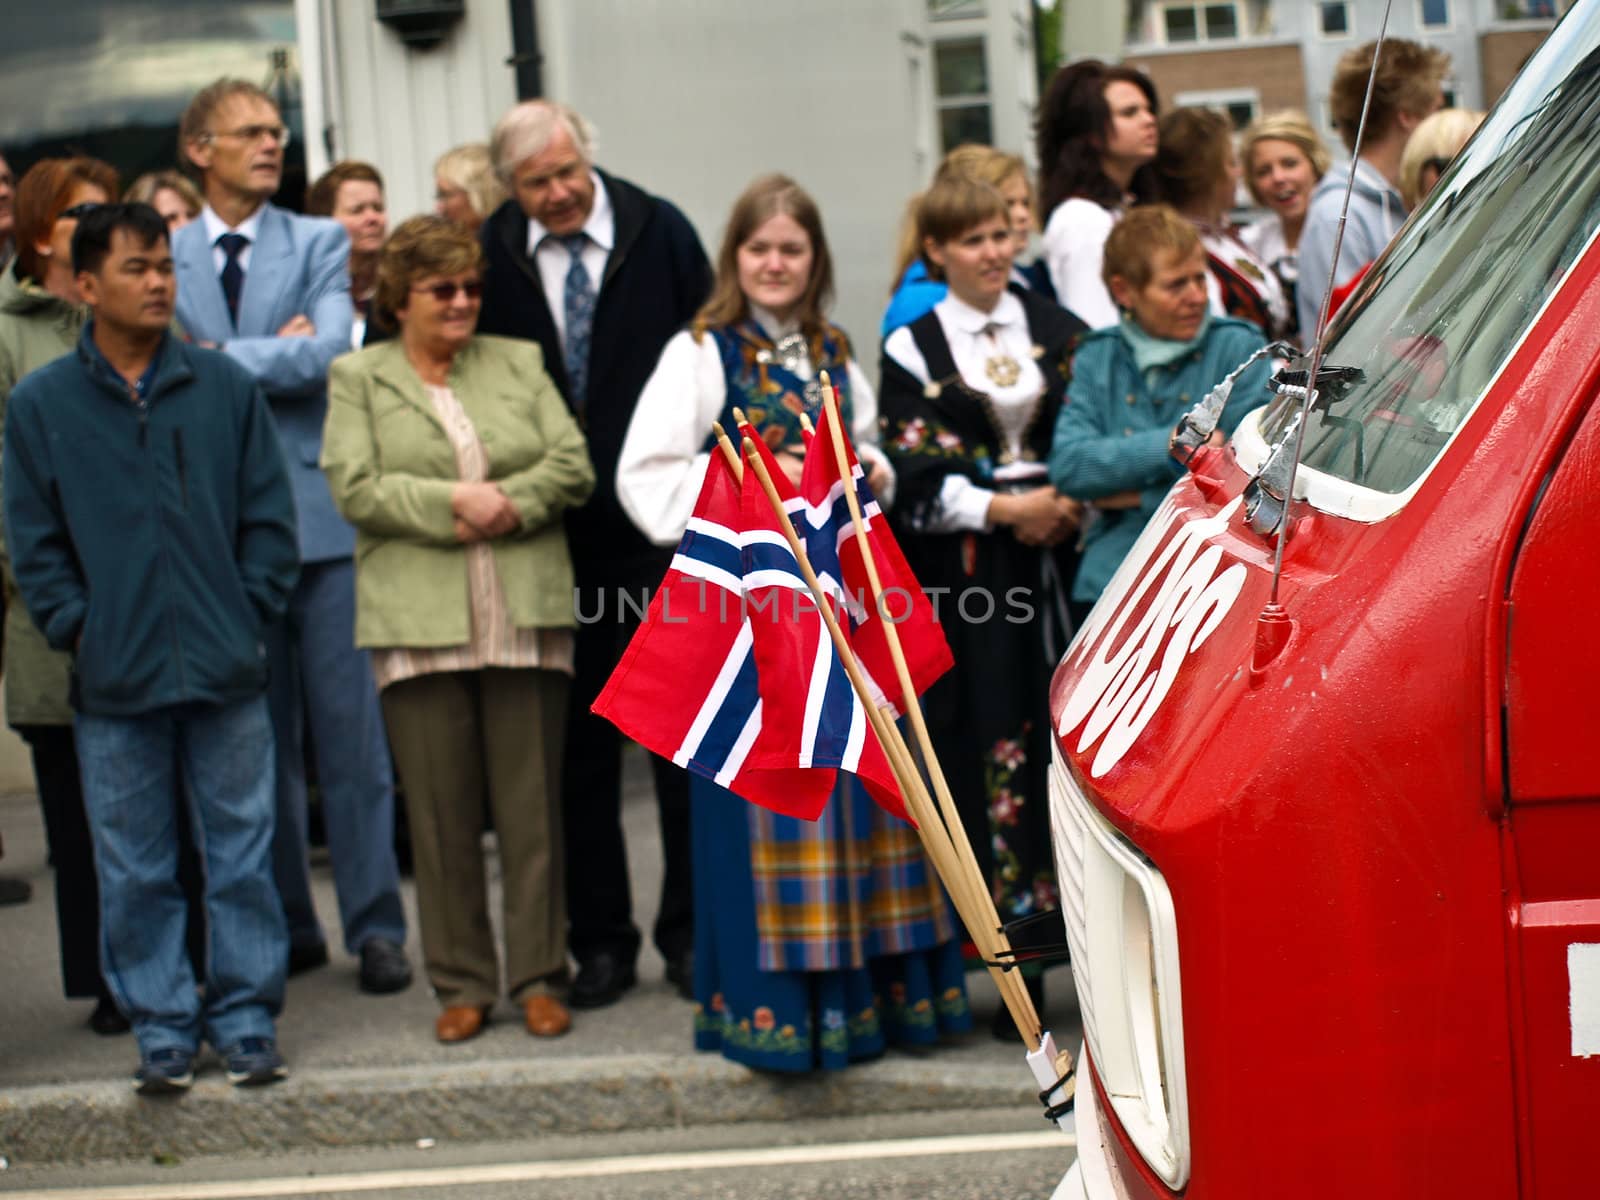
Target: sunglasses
column 78, row 211
column 446, row 292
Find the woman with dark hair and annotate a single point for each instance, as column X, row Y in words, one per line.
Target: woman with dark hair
column 455, row 458
column 352, row 194
column 1198, row 174
column 816, row 944
column 40, row 318
column 970, row 394
column 1096, row 136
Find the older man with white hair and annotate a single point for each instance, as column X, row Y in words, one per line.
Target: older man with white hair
column 601, row 274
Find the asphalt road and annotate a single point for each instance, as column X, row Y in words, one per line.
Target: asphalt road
column 972, row 1156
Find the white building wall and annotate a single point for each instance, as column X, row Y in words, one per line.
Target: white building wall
column 400, row 108
column 693, row 99
column 1459, row 40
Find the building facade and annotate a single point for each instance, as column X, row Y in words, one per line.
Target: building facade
column 856, row 99
column 1254, row 56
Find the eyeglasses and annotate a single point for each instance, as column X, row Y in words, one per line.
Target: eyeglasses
column 446, row 292
column 78, row 211
column 257, row 133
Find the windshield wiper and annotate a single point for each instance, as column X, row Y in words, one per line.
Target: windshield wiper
column 1333, row 383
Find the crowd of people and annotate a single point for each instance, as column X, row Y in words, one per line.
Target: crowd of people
column 298, row 493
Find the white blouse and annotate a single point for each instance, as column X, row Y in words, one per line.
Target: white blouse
column 974, row 338
column 662, row 464
column 1074, row 249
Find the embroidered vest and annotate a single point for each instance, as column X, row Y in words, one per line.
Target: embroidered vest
column 771, row 394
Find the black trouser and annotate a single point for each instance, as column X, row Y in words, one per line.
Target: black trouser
column 66, row 830
column 599, row 900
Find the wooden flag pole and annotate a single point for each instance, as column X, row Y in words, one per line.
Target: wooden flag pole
column 912, row 788
column 728, row 452
column 1028, row 1019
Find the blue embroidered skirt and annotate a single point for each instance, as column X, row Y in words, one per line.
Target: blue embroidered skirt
column 811, row 951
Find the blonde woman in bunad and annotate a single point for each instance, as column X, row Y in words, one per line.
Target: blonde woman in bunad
column 970, row 394
column 870, row 957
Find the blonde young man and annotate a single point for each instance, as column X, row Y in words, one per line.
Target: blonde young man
column 1407, row 89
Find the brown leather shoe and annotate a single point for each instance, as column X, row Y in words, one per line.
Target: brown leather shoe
column 546, row 1016
column 460, row 1022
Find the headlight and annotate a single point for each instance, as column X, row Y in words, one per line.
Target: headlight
column 1124, row 939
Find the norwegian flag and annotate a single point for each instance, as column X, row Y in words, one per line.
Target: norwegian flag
column 835, row 552
column 688, row 686
column 804, row 685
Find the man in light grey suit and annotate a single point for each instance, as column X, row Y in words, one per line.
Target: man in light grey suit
column 272, row 290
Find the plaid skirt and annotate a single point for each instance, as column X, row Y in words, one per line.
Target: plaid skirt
column 817, row 944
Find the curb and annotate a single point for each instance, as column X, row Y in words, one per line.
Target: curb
column 484, row 1101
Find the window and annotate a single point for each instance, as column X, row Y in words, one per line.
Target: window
column 961, row 86
column 117, row 77
column 1465, row 279
column 1183, row 23
column 954, row 10
column 1334, row 20
column 1433, row 14
column 1239, row 105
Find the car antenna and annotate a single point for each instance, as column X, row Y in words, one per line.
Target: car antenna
column 1273, row 625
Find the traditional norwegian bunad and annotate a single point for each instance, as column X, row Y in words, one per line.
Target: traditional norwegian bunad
column 817, row 944
column 969, row 404
column 1242, row 284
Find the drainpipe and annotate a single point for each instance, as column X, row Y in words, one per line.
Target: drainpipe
column 525, row 54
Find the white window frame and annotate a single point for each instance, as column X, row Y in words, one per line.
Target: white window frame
column 1349, row 33
column 1220, row 98
column 1449, row 18
column 963, row 99
column 1199, row 7
column 1326, row 128
column 954, row 10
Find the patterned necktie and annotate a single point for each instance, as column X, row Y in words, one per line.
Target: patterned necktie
column 233, row 245
column 578, row 303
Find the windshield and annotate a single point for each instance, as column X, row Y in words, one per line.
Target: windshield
column 1465, row 278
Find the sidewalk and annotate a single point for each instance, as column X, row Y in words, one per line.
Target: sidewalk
column 367, row 1071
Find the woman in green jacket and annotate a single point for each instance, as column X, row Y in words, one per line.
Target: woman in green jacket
column 455, row 457
column 40, row 317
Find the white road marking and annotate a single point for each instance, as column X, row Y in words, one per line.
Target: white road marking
column 581, row 1168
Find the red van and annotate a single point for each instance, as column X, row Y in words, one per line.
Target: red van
column 1332, row 882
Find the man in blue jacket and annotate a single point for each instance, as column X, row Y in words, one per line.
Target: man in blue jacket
column 272, row 291
column 151, row 530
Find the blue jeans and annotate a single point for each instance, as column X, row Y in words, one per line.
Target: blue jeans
column 321, row 682
column 131, row 770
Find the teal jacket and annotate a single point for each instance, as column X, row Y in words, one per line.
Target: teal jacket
column 392, row 469
column 153, row 537
column 36, row 327
column 1113, row 431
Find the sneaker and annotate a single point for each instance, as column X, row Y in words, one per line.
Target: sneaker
column 164, row 1072
column 254, row 1061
